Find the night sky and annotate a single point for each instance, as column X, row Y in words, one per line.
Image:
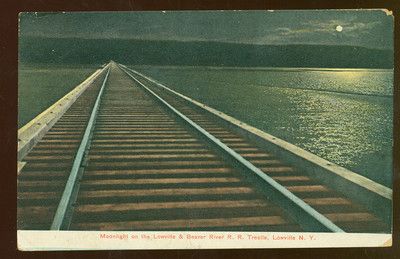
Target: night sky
column 367, row 28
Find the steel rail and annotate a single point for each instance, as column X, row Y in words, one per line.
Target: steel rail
column 374, row 196
column 64, row 206
column 319, row 221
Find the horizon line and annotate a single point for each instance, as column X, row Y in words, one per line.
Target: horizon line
column 203, row 41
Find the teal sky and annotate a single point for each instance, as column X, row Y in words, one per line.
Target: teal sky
column 368, row 28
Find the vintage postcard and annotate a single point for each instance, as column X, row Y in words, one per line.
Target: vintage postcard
column 205, row 129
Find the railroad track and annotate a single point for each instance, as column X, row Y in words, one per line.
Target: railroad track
column 131, row 155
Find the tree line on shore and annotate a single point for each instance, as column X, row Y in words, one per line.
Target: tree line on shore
column 198, row 53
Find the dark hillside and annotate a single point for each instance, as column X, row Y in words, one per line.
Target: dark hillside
column 96, row 51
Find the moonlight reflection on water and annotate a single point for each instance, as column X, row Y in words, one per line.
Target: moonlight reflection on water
column 342, row 115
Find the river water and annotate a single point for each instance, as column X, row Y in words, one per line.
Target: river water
column 342, row 115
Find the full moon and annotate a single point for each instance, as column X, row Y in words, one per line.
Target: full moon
column 339, row 28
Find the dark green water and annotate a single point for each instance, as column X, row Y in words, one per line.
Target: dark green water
column 39, row 86
column 344, row 116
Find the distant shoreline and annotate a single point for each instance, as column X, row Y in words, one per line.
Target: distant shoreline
column 100, row 51
column 288, row 69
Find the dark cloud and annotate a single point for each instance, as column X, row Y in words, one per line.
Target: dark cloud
column 368, row 28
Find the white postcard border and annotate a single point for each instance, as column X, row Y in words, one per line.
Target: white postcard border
column 33, row 240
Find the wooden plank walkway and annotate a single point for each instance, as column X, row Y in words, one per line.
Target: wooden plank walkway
column 147, row 168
